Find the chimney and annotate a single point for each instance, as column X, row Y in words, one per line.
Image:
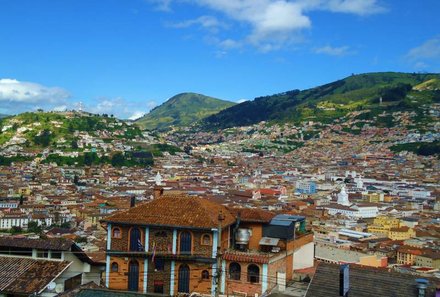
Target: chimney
column 422, row 285
column 132, row 201
column 157, row 192
column 344, row 282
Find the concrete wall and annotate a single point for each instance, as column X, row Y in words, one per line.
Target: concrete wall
column 304, row 256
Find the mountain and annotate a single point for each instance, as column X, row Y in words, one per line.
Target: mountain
column 399, row 91
column 182, row 110
column 3, row 115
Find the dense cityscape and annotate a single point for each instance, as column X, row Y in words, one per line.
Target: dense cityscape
column 116, row 181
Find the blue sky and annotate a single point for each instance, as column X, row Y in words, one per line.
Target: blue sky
column 124, row 57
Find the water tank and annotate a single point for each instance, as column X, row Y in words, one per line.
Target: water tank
column 242, row 236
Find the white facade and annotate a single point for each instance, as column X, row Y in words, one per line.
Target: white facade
column 343, row 197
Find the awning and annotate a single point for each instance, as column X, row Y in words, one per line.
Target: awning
column 269, row 241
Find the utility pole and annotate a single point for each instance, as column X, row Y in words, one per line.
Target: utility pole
column 219, row 255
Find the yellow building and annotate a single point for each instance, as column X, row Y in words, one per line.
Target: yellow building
column 374, row 197
column 401, row 233
column 383, row 224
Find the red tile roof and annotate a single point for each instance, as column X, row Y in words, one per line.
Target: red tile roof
column 28, row 276
column 253, row 214
column 236, row 256
column 175, row 211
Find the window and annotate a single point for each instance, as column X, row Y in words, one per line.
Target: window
column 185, row 242
column 159, row 265
column 205, row 274
column 206, row 239
column 42, row 254
column 234, row 271
column 158, row 286
column 115, row 267
column 253, row 273
column 116, row 233
column 135, row 240
column 55, row 255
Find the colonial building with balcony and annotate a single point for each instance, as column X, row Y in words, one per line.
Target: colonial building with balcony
column 184, row 244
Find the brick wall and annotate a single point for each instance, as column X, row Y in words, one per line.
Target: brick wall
column 154, row 275
column 119, row 279
column 120, row 244
column 163, row 238
column 278, row 266
column 243, row 285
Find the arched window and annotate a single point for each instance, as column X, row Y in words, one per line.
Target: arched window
column 183, row 284
column 115, row 267
column 253, row 272
column 116, row 233
column 185, row 242
column 206, row 239
column 135, row 240
column 205, row 274
column 234, row 271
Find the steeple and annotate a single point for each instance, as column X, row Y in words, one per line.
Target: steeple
column 343, row 197
column 158, row 179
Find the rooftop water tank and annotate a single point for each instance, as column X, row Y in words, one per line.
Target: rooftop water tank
column 242, row 236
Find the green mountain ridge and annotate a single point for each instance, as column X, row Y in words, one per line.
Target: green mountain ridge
column 182, row 110
column 399, row 91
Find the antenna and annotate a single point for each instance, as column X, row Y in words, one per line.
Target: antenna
column 80, row 107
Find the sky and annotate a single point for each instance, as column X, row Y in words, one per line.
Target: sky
column 124, row 57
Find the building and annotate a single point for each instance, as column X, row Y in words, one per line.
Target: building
column 407, row 255
column 186, row 244
column 428, row 258
column 305, row 187
column 367, row 281
column 60, row 258
column 383, row 224
column 401, row 233
column 354, row 211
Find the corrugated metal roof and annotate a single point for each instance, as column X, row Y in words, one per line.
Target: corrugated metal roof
column 269, row 241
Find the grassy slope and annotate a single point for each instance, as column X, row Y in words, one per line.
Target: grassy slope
column 40, row 121
column 182, row 110
column 323, row 103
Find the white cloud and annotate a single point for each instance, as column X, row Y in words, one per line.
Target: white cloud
column 18, row 96
column 428, row 50
column 272, row 24
column 60, row 108
column 162, row 5
column 13, row 90
column 359, row 7
column 425, row 55
column 333, row 51
column 205, row 21
column 242, row 100
column 136, row 115
column 120, row 107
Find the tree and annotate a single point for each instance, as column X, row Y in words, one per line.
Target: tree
column 118, row 159
column 74, row 144
column 44, row 138
column 33, row 227
column 76, row 179
column 16, row 230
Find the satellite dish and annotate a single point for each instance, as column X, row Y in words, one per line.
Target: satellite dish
column 59, row 288
column 51, row 286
